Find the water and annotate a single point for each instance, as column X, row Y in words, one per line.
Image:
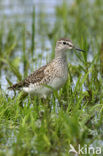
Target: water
column 20, row 11
column 22, row 8
column 13, row 11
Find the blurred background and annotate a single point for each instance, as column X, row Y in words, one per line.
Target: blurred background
column 29, row 30
column 24, row 25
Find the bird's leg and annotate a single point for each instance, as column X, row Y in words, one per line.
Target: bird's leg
column 46, row 103
column 21, row 97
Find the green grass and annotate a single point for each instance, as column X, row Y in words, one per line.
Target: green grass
column 74, row 115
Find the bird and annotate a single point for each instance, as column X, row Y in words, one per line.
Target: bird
column 50, row 76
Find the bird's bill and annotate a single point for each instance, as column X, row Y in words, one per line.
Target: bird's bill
column 80, row 49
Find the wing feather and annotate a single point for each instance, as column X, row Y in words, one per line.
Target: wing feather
column 35, row 77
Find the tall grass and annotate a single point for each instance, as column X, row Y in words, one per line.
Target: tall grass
column 72, row 115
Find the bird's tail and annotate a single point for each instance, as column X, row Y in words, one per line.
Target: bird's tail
column 16, row 86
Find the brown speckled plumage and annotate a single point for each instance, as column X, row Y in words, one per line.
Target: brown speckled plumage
column 35, row 77
column 54, row 74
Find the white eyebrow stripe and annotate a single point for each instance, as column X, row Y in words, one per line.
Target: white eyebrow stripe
column 60, row 42
column 68, row 43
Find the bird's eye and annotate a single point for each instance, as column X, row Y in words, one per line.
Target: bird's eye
column 64, row 42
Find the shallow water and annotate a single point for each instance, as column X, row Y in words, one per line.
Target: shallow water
column 20, row 11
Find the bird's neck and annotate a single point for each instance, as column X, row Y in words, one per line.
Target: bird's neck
column 60, row 54
column 61, row 60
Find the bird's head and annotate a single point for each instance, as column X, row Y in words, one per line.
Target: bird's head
column 64, row 44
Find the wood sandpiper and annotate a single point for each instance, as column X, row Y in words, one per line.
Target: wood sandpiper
column 54, row 74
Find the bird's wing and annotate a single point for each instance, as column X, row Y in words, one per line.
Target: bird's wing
column 35, row 77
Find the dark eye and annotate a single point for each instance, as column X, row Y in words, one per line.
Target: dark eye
column 64, row 42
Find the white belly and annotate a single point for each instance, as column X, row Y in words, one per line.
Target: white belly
column 43, row 91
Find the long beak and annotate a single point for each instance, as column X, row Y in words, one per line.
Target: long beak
column 79, row 49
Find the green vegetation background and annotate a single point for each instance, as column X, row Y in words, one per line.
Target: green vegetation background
column 74, row 115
